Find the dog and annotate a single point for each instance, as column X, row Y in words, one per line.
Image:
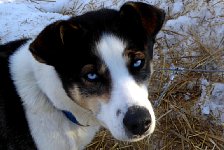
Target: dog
column 77, row 75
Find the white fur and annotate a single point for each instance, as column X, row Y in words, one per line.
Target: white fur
column 125, row 91
column 43, row 97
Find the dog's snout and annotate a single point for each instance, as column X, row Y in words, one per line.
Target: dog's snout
column 137, row 120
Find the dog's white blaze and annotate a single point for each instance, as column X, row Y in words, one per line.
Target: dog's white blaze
column 125, row 91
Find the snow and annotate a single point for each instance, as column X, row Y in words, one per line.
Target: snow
column 177, row 7
column 187, row 96
column 178, row 22
column 205, row 110
column 26, row 18
column 25, row 21
column 218, row 94
column 216, row 102
column 211, row 100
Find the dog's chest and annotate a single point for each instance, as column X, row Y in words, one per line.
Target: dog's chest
column 51, row 130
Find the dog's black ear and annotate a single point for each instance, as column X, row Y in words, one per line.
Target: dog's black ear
column 49, row 45
column 150, row 17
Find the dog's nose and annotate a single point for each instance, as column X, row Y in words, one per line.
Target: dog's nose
column 137, row 120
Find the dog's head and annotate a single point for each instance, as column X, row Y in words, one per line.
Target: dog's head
column 103, row 61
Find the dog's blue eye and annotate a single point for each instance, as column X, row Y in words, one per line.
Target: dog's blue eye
column 138, row 64
column 92, row 76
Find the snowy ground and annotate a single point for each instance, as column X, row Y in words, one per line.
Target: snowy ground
column 26, row 18
column 212, row 100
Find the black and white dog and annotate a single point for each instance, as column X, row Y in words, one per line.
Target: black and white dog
column 77, row 75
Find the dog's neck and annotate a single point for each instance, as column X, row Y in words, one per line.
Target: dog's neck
column 44, row 99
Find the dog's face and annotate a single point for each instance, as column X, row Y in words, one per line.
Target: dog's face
column 103, row 60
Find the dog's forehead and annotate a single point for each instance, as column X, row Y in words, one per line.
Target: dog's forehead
column 88, row 46
column 107, row 21
column 111, row 49
column 102, row 28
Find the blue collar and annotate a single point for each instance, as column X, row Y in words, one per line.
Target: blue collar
column 71, row 117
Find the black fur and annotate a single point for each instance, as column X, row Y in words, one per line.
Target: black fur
column 14, row 131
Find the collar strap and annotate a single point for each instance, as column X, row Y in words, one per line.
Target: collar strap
column 71, row 117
